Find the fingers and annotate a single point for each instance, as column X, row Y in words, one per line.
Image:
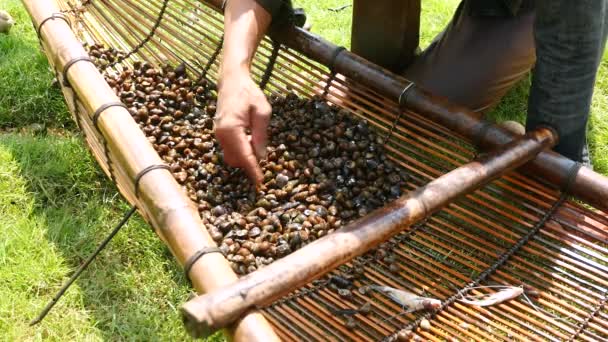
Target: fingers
column 243, row 105
column 238, row 151
column 260, row 117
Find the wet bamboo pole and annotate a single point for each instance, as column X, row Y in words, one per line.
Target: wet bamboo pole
column 205, row 314
column 161, row 200
column 554, row 168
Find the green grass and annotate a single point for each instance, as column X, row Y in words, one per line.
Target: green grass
column 56, row 205
column 26, row 95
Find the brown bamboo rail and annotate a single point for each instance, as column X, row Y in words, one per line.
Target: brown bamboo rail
column 565, row 260
column 160, row 200
column 587, row 185
column 205, row 314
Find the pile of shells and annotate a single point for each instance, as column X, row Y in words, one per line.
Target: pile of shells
column 324, row 168
column 103, row 56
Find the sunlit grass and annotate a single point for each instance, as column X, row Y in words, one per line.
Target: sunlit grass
column 56, row 205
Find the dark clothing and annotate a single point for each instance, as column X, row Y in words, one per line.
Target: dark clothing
column 570, row 37
column 497, row 8
column 280, row 10
column 477, row 59
column 490, row 44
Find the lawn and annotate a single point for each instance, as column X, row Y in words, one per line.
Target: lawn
column 56, row 205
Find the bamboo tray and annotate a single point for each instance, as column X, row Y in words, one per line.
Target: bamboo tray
column 566, row 258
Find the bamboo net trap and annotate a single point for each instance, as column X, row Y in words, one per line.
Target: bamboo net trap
column 387, row 185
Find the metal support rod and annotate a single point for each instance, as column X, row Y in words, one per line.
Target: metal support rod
column 551, row 167
column 205, row 314
column 82, row 267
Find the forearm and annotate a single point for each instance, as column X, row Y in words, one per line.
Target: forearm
column 245, row 23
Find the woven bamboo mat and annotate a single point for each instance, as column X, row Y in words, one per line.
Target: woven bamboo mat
column 514, row 231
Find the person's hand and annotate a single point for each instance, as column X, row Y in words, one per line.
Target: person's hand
column 242, row 105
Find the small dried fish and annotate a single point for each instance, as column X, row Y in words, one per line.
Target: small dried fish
column 404, row 335
column 364, row 310
column 340, row 282
column 508, row 293
column 351, row 323
column 409, row 301
column 344, row 292
column 343, row 312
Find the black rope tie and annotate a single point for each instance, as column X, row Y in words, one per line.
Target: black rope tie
column 106, row 149
column 77, row 112
column 332, row 67
column 402, row 102
column 144, row 172
column 196, row 256
column 102, row 108
column 490, row 270
column 52, row 17
column 270, row 66
column 210, row 62
column 599, row 308
column 146, row 39
column 571, row 177
column 82, row 267
column 69, row 64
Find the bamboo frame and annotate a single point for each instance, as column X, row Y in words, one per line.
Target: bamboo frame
column 166, row 207
column 205, row 314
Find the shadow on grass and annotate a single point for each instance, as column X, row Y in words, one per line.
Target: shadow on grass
column 26, row 94
column 133, row 289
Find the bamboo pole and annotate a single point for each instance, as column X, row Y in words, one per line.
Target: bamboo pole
column 552, row 167
column 204, row 314
column 161, row 200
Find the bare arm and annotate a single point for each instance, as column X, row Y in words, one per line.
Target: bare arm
column 245, row 23
column 241, row 103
